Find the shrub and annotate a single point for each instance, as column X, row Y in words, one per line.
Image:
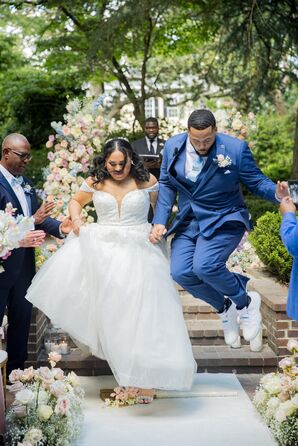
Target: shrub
column 269, row 247
column 257, row 207
column 274, row 139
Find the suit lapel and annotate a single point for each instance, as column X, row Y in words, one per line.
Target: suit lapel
column 211, row 165
column 176, row 166
column 10, row 191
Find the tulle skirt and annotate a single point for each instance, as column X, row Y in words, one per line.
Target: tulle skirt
column 111, row 290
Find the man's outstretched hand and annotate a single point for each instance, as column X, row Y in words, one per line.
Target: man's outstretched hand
column 282, row 189
column 43, row 212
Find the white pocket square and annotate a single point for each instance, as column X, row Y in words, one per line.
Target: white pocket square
column 227, row 171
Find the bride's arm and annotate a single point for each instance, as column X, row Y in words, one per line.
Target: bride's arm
column 76, row 204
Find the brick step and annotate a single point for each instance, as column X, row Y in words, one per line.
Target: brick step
column 213, row 358
column 210, row 332
column 194, row 308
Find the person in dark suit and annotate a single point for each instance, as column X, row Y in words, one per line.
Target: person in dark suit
column 19, row 267
column 150, row 144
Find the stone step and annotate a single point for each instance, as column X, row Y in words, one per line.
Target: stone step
column 212, row 358
column 210, row 332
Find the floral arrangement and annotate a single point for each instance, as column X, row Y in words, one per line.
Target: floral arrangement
column 71, row 150
column 244, row 257
column 12, row 230
column 123, row 396
column 47, row 406
column 276, row 399
column 235, row 124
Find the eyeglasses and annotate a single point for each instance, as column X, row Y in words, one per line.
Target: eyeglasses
column 22, row 156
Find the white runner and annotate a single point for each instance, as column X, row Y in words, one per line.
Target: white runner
column 222, row 415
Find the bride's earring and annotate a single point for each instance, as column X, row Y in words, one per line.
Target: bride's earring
column 132, row 163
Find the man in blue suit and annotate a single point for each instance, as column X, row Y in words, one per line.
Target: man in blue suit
column 205, row 168
column 19, row 267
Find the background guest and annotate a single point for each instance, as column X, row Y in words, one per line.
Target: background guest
column 20, row 266
column 289, row 235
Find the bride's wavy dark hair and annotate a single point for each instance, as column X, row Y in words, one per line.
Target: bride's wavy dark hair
column 138, row 170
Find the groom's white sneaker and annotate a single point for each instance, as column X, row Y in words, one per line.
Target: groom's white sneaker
column 250, row 316
column 229, row 319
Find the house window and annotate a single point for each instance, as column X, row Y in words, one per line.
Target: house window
column 151, row 107
column 171, row 111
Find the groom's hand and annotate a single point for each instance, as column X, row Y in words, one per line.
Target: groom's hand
column 281, row 190
column 157, row 233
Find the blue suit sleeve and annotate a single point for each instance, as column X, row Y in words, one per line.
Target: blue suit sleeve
column 289, row 233
column 50, row 226
column 167, row 192
column 254, row 178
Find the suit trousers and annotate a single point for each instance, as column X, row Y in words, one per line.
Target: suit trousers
column 198, row 264
column 18, row 313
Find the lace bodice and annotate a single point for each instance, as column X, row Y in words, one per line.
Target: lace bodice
column 133, row 209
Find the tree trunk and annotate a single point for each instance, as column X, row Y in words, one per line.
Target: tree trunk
column 294, row 175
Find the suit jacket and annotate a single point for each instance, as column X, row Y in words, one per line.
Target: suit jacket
column 289, row 235
column 141, row 148
column 13, row 264
column 216, row 196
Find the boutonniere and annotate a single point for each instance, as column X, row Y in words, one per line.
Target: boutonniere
column 28, row 189
column 222, row 161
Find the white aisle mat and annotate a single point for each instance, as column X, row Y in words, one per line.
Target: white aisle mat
column 222, row 415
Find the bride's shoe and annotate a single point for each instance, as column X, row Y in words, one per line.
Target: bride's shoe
column 146, row 396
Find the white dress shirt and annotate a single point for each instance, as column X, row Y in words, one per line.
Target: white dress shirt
column 18, row 190
column 191, row 159
column 154, row 143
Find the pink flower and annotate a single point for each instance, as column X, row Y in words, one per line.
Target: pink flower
column 15, row 376
column 27, row 374
column 52, row 138
column 51, row 156
column 20, row 411
column 66, row 130
column 58, row 388
column 286, row 363
column 53, row 358
column 64, row 143
column 16, row 387
column 62, row 406
column 49, row 144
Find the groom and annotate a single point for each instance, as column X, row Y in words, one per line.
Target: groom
column 206, row 168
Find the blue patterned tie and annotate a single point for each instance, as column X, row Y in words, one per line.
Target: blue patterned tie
column 196, row 168
column 17, row 181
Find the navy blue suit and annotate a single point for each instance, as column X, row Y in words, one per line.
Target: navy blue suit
column 212, row 216
column 15, row 280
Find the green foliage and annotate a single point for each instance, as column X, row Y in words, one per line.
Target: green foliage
column 258, row 207
column 267, row 242
column 273, row 150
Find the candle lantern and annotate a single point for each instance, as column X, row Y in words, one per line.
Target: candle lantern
column 64, row 344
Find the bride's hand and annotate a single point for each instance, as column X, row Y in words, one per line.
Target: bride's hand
column 76, row 224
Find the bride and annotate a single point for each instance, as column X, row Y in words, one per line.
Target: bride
column 110, row 288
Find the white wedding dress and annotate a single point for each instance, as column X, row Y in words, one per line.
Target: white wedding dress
column 111, row 290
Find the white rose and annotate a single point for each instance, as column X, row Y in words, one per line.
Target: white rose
column 292, row 346
column 285, row 409
column 44, row 412
column 273, row 386
column 236, row 124
column 43, row 397
column 33, row 435
column 295, row 400
column 260, row 396
column 24, row 396
column 58, row 388
column 73, row 379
